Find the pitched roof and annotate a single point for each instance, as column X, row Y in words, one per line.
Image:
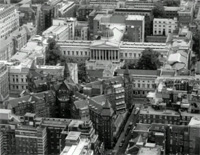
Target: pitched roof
column 81, row 104
column 138, row 72
column 28, row 98
column 107, row 109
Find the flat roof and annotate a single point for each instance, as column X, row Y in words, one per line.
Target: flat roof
column 5, row 111
column 135, row 17
column 149, row 151
column 149, row 110
column 72, row 135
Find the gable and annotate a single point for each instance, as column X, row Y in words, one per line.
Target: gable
column 104, row 44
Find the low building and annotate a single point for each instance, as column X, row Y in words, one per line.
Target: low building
column 66, row 9
column 31, row 140
column 57, row 32
column 171, row 11
column 143, row 81
column 42, row 104
column 146, row 151
column 75, row 145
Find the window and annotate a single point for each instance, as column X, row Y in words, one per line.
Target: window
column 81, row 52
column 130, row 54
column 85, row 52
column 72, row 52
column 125, row 54
column 138, row 85
column 68, row 52
column 76, row 52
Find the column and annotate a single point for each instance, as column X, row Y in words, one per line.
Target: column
column 114, row 54
column 108, row 54
column 90, row 54
column 103, row 55
column 95, row 54
column 99, row 54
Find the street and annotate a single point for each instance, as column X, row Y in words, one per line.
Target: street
column 121, row 150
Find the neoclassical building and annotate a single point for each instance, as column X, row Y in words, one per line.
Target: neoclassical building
column 109, row 52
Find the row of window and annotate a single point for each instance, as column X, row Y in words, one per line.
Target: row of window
column 16, row 87
column 79, row 53
column 162, row 22
column 135, row 55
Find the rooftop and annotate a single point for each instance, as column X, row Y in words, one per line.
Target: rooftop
column 4, row 7
column 150, row 111
column 138, row 72
column 149, row 151
column 135, row 17
column 73, row 135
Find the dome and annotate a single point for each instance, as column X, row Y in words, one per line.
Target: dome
column 107, row 33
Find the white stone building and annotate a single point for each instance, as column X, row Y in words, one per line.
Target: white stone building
column 164, row 26
column 9, row 19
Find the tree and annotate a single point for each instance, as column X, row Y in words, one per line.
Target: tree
column 130, row 66
column 82, row 75
column 53, row 53
column 149, row 60
column 196, row 44
column 158, row 10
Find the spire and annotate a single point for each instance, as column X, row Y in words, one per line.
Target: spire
column 33, row 66
column 126, row 75
column 66, row 71
column 126, row 72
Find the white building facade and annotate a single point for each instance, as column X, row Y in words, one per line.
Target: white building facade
column 9, row 19
column 164, row 26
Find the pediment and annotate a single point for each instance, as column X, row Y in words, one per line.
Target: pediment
column 104, row 44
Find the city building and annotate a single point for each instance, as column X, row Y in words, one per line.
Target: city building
column 66, row 9
column 9, row 19
column 4, row 84
column 146, row 12
column 81, row 31
column 20, row 63
column 7, row 132
column 143, row 81
column 164, row 26
column 185, row 14
column 42, row 104
column 84, row 11
column 193, row 134
column 73, row 71
column 70, row 22
column 57, row 32
column 136, row 25
column 171, row 12
column 31, row 140
column 75, row 145
column 13, row 43
column 27, row 14
column 98, row 53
